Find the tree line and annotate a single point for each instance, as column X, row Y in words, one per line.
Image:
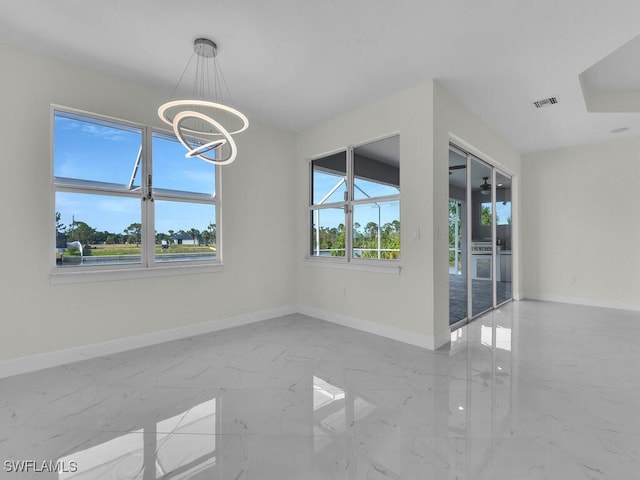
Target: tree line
column 365, row 238
column 85, row 234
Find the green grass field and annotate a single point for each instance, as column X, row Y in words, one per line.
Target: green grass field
column 101, row 250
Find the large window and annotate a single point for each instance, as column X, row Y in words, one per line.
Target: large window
column 355, row 202
column 126, row 194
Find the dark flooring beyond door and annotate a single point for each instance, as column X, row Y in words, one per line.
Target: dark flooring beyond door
column 482, row 296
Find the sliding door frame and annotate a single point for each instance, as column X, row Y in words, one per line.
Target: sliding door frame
column 494, row 223
column 469, row 235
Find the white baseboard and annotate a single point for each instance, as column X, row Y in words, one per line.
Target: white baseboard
column 21, row 365
column 28, row 364
column 589, row 302
column 387, row 331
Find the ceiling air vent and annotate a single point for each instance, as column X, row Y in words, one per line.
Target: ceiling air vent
column 547, row 102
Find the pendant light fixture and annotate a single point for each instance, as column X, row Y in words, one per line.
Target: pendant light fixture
column 204, row 124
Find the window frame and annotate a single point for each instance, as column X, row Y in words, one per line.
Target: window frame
column 148, row 266
column 348, row 204
column 328, row 206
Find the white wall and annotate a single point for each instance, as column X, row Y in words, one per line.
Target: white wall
column 412, row 306
column 454, row 123
column 38, row 317
column 261, row 193
column 581, row 234
column 398, row 305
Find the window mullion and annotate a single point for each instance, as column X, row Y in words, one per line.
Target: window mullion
column 148, row 217
column 328, row 205
column 349, row 206
column 387, row 198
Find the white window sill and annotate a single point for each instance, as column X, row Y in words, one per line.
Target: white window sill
column 391, row 267
column 63, row 276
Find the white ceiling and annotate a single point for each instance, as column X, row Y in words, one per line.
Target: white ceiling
column 295, row 63
column 623, row 63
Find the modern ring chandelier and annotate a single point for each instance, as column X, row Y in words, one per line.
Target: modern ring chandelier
column 205, row 127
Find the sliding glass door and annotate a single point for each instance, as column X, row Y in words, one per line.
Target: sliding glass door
column 482, row 254
column 480, row 237
column 504, row 291
column 458, row 288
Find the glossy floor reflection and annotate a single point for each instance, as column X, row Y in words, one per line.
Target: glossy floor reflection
column 532, row 391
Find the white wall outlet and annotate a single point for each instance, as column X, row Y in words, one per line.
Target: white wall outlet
column 416, row 234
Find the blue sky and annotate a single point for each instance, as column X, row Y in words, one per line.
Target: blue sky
column 104, row 152
column 107, row 153
column 363, row 214
column 503, row 211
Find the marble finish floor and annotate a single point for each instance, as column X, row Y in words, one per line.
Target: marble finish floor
column 533, row 390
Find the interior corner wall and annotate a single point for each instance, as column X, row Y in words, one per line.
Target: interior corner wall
column 38, row 317
column 582, row 228
column 455, row 123
column 402, row 303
